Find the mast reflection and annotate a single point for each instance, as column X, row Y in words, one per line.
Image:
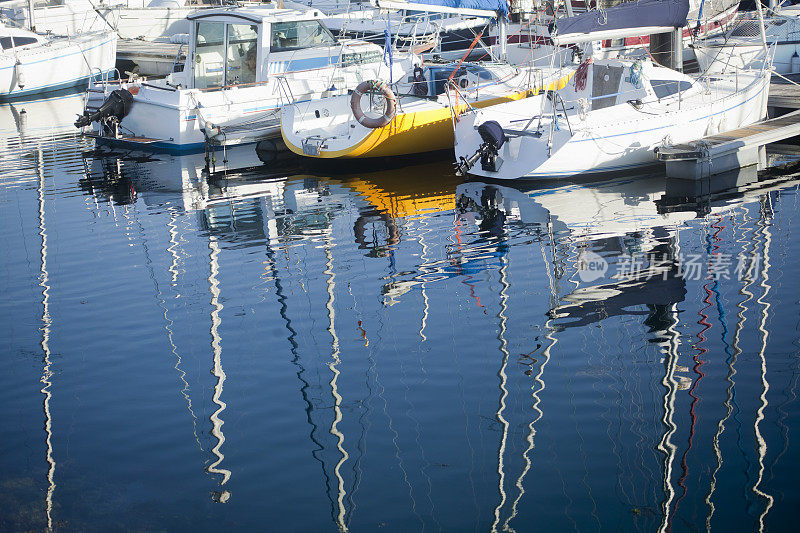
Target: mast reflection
column 303, row 225
column 47, row 372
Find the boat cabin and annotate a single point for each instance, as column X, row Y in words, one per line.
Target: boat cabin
column 15, row 38
column 464, row 75
column 246, row 45
column 611, row 82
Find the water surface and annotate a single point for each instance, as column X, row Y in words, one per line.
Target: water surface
column 395, row 350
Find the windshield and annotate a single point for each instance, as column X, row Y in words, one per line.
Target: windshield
column 300, row 34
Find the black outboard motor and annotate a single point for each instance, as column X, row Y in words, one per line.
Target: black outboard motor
column 116, row 105
column 494, row 138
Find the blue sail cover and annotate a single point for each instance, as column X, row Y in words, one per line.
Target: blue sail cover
column 500, row 6
column 633, row 16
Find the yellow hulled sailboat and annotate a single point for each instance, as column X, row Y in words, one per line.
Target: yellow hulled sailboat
column 413, row 116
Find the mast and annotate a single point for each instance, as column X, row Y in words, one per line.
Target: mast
column 31, row 10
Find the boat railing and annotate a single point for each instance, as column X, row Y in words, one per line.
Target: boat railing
column 176, row 61
column 104, row 78
column 285, row 90
column 535, row 79
column 556, row 97
column 459, row 97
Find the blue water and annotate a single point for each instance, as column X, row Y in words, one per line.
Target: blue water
column 387, row 350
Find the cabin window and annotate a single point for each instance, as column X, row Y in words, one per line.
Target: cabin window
column 49, row 3
column 209, row 70
column 356, row 58
column 225, row 54
column 242, row 59
column 664, row 88
column 299, row 34
column 11, row 42
column 480, row 72
column 414, row 14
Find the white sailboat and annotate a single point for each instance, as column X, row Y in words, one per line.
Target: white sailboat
column 742, row 47
column 613, row 115
column 413, row 26
column 63, row 17
column 32, row 64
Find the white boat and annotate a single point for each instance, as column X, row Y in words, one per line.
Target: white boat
column 243, row 64
column 63, row 17
column 741, row 47
column 620, row 111
column 149, row 20
column 154, row 33
column 614, row 114
column 418, row 118
column 32, row 64
column 441, row 36
column 706, row 18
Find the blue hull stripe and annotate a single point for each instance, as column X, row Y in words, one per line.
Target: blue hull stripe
column 84, row 80
column 82, row 50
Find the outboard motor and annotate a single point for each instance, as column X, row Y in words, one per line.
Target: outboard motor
column 116, row 105
column 494, row 138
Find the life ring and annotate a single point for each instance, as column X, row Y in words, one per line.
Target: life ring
column 388, row 95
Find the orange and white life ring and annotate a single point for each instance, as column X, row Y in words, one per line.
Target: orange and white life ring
column 388, row 96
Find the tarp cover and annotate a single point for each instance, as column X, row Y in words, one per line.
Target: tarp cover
column 501, row 6
column 639, row 14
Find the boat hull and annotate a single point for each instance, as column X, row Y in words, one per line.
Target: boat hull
column 408, row 133
column 424, row 126
column 166, row 116
column 58, row 65
column 612, row 146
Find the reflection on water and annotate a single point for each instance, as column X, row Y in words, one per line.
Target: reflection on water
column 393, row 349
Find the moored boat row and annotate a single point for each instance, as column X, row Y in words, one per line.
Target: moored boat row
column 259, row 71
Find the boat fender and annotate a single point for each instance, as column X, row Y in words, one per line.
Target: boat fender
column 179, row 38
column 273, row 151
column 388, row 95
column 420, row 83
column 19, row 74
column 117, row 105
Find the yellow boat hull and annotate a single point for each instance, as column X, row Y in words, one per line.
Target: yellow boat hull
column 412, row 133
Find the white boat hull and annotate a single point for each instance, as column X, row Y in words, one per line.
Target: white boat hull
column 609, row 140
column 186, row 119
column 61, row 63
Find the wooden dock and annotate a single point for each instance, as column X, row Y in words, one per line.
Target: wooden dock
column 728, row 151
